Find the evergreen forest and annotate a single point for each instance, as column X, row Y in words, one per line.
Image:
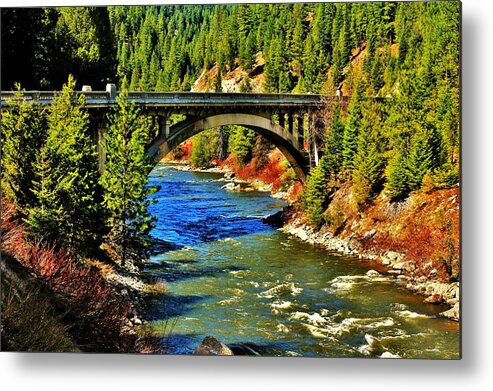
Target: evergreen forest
column 406, row 52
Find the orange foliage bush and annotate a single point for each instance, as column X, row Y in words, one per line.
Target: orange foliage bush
column 272, row 173
column 295, row 190
column 425, row 228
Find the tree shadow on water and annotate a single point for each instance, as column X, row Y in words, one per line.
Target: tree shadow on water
column 171, row 306
column 175, row 271
column 160, row 246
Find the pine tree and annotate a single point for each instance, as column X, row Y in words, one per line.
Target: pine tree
column 218, row 81
column 334, row 143
column 125, row 181
column 421, row 158
column 351, row 131
column 23, row 132
column 241, row 142
column 308, row 81
column 66, row 184
column 368, row 163
column 198, row 154
column 397, row 185
column 315, row 194
column 205, row 146
column 274, row 65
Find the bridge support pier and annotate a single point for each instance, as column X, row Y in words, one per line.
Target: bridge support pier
column 290, row 123
column 312, row 142
column 164, row 124
column 300, row 131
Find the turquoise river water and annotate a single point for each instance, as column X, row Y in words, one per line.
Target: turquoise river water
column 263, row 292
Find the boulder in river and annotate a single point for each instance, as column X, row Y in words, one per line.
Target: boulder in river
column 210, row 346
column 275, row 220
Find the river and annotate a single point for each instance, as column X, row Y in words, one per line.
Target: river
column 262, row 292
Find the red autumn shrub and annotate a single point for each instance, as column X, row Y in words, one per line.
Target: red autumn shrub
column 248, row 172
column 97, row 312
column 271, row 173
column 295, row 190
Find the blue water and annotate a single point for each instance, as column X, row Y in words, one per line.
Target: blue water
column 262, row 292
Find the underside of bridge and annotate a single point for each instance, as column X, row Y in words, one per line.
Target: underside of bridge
column 290, row 143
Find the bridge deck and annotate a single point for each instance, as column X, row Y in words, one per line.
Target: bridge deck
column 101, row 99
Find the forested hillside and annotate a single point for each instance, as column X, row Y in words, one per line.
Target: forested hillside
column 405, row 52
column 41, row 47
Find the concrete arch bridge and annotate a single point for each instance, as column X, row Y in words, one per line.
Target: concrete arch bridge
column 289, row 121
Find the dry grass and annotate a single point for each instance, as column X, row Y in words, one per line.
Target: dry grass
column 157, row 287
column 104, row 269
column 30, row 321
column 425, row 228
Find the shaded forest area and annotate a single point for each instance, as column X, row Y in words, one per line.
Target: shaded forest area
column 42, row 46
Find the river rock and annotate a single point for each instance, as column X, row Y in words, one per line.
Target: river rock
column 434, row 299
column 372, row 273
column 391, row 257
column 210, row 346
column 399, row 266
column 387, row 354
column 276, row 220
column 398, row 307
column 453, row 313
column 231, row 186
column 369, row 234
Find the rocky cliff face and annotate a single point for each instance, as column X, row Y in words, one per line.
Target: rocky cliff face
column 233, row 80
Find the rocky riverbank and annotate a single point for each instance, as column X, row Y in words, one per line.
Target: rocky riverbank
column 405, row 271
column 232, row 182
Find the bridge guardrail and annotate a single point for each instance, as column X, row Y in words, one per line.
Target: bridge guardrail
column 102, row 98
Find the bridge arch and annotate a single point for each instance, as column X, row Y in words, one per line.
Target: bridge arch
column 276, row 134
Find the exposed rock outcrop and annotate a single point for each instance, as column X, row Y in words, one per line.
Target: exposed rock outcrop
column 210, row 346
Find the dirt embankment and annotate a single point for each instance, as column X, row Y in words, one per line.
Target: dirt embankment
column 52, row 302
